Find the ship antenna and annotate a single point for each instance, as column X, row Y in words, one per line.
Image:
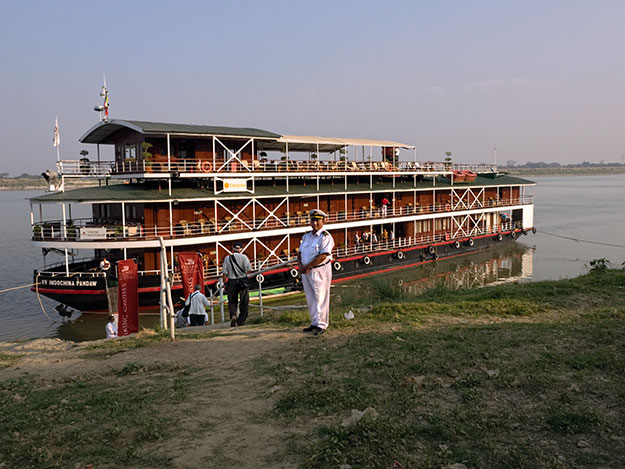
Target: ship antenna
column 104, row 108
column 495, row 155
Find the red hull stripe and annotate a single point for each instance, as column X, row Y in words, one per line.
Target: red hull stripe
column 71, row 292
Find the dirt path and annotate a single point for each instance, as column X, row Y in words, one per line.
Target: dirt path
column 223, row 422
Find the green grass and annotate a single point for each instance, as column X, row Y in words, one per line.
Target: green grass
column 9, row 359
column 517, row 376
column 99, row 420
column 502, row 394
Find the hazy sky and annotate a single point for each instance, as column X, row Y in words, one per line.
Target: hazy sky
column 543, row 80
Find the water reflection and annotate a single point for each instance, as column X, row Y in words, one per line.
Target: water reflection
column 91, row 326
column 493, row 266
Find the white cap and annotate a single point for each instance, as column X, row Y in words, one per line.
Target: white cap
column 316, row 213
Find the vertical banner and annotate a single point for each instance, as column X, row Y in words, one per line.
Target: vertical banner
column 128, row 297
column 191, row 270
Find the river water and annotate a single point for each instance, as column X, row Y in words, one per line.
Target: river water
column 587, row 208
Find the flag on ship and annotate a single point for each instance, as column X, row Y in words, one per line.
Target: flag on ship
column 106, row 103
column 56, row 141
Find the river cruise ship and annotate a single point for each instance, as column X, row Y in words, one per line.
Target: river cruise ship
column 199, row 188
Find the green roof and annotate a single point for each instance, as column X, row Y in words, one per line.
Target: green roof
column 151, row 191
column 102, row 132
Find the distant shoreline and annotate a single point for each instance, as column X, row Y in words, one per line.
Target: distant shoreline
column 15, row 184
column 598, row 171
column 9, row 184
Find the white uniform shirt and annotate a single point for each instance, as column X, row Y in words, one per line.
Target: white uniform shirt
column 314, row 244
column 111, row 330
column 198, row 302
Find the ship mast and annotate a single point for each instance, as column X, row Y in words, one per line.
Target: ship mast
column 104, row 108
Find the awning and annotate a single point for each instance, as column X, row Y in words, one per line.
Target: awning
column 326, row 144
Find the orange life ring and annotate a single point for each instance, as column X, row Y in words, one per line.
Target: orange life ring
column 206, row 166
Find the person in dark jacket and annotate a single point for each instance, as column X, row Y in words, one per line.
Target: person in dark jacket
column 234, row 270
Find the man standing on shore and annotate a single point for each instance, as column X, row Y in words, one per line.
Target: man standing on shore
column 315, row 264
column 235, row 269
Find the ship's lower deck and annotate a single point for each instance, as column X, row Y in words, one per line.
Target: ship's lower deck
column 86, row 290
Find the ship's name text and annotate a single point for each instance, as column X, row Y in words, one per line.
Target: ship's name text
column 68, row 282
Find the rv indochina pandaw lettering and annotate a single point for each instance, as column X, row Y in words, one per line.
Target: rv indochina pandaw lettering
column 201, row 187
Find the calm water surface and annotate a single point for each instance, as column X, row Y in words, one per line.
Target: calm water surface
column 584, row 207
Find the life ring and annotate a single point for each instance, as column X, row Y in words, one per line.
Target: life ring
column 206, row 166
column 260, row 278
column 435, row 257
column 534, row 230
column 431, row 249
column 400, row 255
column 457, row 244
column 499, row 237
column 470, row 242
column 294, row 273
column 513, row 234
column 366, row 260
column 337, row 265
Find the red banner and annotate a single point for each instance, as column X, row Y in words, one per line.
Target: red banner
column 128, row 297
column 192, row 271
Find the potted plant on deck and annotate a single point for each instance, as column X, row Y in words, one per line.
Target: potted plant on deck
column 146, row 155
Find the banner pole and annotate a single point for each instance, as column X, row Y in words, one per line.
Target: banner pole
column 170, row 304
column 163, row 280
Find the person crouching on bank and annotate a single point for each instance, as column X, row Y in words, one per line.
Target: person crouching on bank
column 197, row 308
column 315, row 264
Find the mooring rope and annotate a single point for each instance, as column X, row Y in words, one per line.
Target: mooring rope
column 17, row 288
column 582, row 240
column 39, row 298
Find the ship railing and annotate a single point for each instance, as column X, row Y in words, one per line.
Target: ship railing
column 85, row 168
column 105, row 229
column 192, row 165
column 425, row 239
column 77, row 264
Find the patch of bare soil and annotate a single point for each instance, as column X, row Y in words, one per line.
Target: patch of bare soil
column 222, row 421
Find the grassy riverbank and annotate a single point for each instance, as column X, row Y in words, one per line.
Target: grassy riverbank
column 526, row 375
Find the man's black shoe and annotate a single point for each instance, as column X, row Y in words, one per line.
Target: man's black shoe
column 309, row 328
column 319, row 331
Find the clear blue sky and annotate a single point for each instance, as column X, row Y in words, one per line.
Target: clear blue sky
column 543, row 80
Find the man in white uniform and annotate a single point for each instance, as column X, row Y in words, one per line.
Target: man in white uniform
column 315, row 264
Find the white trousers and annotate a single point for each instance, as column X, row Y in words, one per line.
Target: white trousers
column 317, row 288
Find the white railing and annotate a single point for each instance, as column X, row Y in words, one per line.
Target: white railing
column 100, row 169
column 112, row 230
column 212, row 272
column 85, row 168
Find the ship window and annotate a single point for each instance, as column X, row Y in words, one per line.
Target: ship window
column 130, row 152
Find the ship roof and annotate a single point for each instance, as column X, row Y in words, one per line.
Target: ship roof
column 137, row 193
column 103, row 131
